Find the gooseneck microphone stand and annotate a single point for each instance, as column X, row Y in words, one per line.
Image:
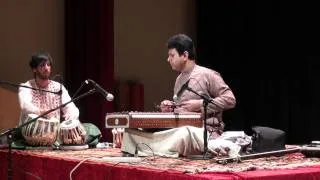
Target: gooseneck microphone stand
column 9, row 132
column 206, row 101
column 19, row 85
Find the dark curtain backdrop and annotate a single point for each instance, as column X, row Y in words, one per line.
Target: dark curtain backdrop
column 268, row 52
column 89, row 55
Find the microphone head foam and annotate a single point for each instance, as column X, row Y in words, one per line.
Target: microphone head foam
column 110, row 97
column 175, row 98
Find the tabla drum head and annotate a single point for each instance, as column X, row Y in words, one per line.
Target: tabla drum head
column 69, row 123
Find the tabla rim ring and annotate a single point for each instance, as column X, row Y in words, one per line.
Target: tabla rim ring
column 74, row 147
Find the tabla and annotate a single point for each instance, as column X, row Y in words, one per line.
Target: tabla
column 72, row 133
column 42, row 132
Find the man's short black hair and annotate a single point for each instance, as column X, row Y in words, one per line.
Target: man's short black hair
column 38, row 57
column 182, row 43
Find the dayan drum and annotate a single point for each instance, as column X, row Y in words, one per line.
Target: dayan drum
column 72, row 133
column 42, row 132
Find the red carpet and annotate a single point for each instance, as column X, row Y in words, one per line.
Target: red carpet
column 85, row 164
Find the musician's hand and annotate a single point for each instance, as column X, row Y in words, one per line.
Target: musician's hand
column 193, row 105
column 221, row 147
column 166, row 106
column 40, row 112
column 71, row 116
column 221, row 151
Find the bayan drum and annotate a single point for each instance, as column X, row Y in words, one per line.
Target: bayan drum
column 42, row 132
column 72, row 133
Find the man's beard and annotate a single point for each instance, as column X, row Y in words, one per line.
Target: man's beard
column 43, row 76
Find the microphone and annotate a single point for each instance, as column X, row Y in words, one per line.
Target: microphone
column 98, row 88
column 182, row 89
column 175, row 98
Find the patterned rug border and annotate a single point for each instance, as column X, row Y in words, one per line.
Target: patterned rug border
column 289, row 161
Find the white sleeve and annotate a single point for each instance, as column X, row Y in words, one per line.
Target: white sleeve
column 70, row 111
column 25, row 100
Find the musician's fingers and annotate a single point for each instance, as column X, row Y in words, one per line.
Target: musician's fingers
column 166, row 103
column 213, row 152
column 222, row 152
column 166, row 108
column 163, row 106
column 183, row 103
column 118, row 142
column 113, row 130
column 163, row 109
column 157, row 107
column 121, row 134
column 177, row 105
column 227, row 149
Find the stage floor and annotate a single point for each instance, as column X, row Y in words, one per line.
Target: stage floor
column 108, row 164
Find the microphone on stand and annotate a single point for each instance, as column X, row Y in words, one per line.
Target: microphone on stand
column 28, row 87
column 184, row 87
column 176, row 97
column 206, row 100
column 98, row 88
column 10, row 132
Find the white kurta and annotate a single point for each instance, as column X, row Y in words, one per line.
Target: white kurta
column 170, row 143
column 36, row 102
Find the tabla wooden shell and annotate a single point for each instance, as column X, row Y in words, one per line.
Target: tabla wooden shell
column 72, row 133
column 42, row 132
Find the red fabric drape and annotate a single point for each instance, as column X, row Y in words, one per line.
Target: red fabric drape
column 89, row 55
column 136, row 96
column 129, row 96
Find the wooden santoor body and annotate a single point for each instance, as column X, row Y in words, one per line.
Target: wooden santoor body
column 152, row 120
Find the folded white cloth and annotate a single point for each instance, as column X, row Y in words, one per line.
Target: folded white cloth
column 234, row 140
